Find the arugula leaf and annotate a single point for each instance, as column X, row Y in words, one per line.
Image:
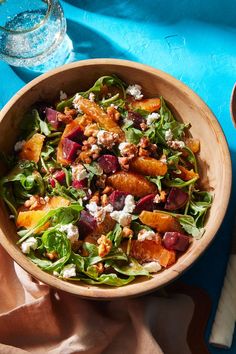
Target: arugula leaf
column 116, row 235
column 198, row 206
column 108, row 279
column 178, row 182
column 136, row 227
column 32, row 123
column 94, row 168
column 156, row 180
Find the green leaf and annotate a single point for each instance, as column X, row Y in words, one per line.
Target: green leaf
column 94, row 168
column 156, row 180
column 32, row 123
column 199, row 205
column 136, row 227
column 108, row 279
column 131, row 269
column 116, row 235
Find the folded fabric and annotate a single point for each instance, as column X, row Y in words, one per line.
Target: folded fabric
column 35, row 318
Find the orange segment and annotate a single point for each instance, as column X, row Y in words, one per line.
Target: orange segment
column 148, row 166
column 28, row 219
column 148, row 250
column 160, row 221
column 150, row 104
column 193, row 144
column 186, row 175
column 99, row 116
column 131, row 183
column 32, row 148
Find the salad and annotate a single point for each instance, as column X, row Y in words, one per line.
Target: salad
column 104, row 186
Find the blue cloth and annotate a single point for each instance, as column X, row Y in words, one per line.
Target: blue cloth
column 191, row 40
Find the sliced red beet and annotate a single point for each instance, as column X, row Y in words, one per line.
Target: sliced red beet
column 176, row 241
column 70, row 149
column 117, row 199
column 108, row 163
column 137, row 119
column 76, row 135
column 86, row 224
column 59, row 176
column 51, row 115
column 52, row 182
column 80, row 184
column 145, row 203
column 176, row 199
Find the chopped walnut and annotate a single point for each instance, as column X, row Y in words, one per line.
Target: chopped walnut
column 107, row 139
column 104, row 200
column 146, row 148
column 52, row 255
column 101, row 181
column 70, row 112
column 143, row 126
column 84, row 156
column 127, row 232
column 64, row 118
column 34, row 202
column 143, row 152
column 113, row 113
column 144, row 142
column 95, row 198
column 124, row 163
column 160, row 198
column 91, row 130
column 128, row 150
column 99, row 267
column 105, row 246
column 108, row 190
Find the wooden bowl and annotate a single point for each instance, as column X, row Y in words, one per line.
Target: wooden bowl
column 214, row 159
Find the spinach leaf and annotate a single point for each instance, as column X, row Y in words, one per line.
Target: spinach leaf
column 116, row 235
column 133, row 268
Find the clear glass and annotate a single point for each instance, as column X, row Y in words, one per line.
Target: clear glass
column 33, row 34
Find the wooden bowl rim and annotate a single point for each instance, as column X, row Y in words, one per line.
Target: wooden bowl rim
column 133, row 289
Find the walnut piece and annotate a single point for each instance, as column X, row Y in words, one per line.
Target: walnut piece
column 34, row 202
column 113, row 113
column 105, row 246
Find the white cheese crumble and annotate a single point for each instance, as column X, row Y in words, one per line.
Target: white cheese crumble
column 146, row 235
column 152, row 267
column 135, row 91
column 69, row 271
column 163, row 159
column 112, row 105
column 153, row 117
column 124, row 217
column 19, row 145
column 99, row 212
column 176, row 144
column 107, row 139
column 168, row 135
column 71, row 231
column 63, row 95
column 79, row 173
column 76, row 103
column 27, row 245
column 123, row 146
column 95, row 149
column 91, row 97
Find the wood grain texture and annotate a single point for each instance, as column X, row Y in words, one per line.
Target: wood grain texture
column 214, row 158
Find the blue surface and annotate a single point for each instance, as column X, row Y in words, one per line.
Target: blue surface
column 193, row 41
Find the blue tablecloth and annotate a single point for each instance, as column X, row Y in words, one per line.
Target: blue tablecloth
column 191, row 40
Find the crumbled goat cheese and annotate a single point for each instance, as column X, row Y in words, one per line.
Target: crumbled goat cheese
column 95, row 149
column 69, row 271
column 19, row 145
column 135, row 91
column 112, row 105
column 129, row 204
column 163, row 159
column 99, row 212
column 79, row 173
column 30, row 243
column 63, row 95
column 71, row 231
column 152, row 267
column 176, row 144
column 146, row 235
column 107, row 139
column 122, row 147
column 76, row 103
column 123, row 217
column 168, row 135
column 152, row 118
column 91, row 97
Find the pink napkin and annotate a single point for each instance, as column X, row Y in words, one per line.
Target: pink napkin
column 35, row 318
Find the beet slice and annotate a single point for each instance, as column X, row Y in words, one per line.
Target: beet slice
column 145, row 203
column 59, row 176
column 137, row 119
column 80, row 184
column 76, row 135
column 51, row 115
column 176, row 199
column 117, row 199
column 69, row 149
column 176, row 241
column 108, row 163
column 86, row 224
